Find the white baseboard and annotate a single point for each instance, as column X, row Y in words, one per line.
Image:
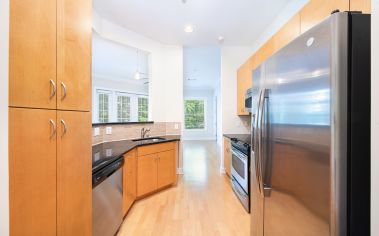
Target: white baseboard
column 222, row 170
column 179, row 171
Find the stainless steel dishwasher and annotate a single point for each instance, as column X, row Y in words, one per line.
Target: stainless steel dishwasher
column 107, row 199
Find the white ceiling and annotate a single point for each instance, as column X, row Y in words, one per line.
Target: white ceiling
column 239, row 22
column 116, row 61
column 202, row 67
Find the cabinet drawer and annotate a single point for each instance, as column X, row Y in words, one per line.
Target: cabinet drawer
column 154, row 148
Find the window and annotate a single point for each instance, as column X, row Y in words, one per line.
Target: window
column 123, row 108
column 194, row 114
column 143, row 109
column 103, row 107
column 118, row 106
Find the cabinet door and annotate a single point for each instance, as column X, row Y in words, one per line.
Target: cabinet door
column 317, row 10
column 32, row 171
column 74, row 28
column 166, row 168
column 244, row 82
column 360, row 5
column 146, row 174
column 32, row 53
column 74, row 176
column 129, row 180
column 227, row 156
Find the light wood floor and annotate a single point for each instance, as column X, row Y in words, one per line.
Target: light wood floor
column 202, row 203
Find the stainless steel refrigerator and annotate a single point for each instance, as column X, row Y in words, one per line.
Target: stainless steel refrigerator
column 310, row 162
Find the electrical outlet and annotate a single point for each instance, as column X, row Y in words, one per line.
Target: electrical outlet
column 176, row 126
column 108, row 152
column 97, row 131
column 97, row 156
column 108, row 130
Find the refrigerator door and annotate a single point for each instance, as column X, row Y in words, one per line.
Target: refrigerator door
column 296, row 164
column 256, row 198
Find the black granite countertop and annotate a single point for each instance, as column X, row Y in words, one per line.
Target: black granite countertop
column 107, row 152
column 246, row 138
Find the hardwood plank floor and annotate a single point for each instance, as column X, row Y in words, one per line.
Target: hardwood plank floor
column 203, row 202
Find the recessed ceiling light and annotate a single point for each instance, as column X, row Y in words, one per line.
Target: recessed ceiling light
column 221, row 39
column 188, row 28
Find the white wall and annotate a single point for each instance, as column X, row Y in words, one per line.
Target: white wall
column 4, row 48
column 231, row 58
column 375, row 118
column 209, row 133
column 166, row 83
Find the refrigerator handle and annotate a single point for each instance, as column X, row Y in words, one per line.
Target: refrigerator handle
column 257, row 143
column 259, row 138
column 263, row 157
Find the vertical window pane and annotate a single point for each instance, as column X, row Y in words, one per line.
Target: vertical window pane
column 143, row 109
column 194, row 117
column 103, row 107
column 123, row 108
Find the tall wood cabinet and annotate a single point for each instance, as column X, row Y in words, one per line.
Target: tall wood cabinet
column 49, row 117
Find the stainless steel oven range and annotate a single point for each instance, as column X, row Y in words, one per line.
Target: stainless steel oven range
column 240, row 171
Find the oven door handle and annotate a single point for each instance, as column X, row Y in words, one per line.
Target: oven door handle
column 240, row 156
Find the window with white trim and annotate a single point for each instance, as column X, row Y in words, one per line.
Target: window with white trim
column 118, row 106
column 103, row 106
column 123, row 108
column 194, row 114
column 143, row 109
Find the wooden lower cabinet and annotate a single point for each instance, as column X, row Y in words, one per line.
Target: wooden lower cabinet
column 129, row 180
column 50, row 172
column 32, row 172
column 227, row 157
column 147, row 174
column 156, row 170
column 166, row 168
column 74, row 173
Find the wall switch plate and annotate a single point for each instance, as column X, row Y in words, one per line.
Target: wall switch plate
column 108, row 130
column 97, row 131
column 176, row 126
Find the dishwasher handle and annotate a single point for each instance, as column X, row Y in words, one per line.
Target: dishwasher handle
column 100, row 176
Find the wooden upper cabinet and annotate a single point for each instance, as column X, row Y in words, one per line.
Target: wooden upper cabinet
column 74, row 32
column 244, row 82
column 129, row 180
column 360, row 5
column 74, row 176
column 166, row 168
column 32, row 172
column 317, row 10
column 147, row 174
column 32, row 53
column 287, row 33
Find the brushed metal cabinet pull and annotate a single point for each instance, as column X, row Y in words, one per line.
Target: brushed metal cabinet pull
column 53, row 88
column 64, row 127
column 64, row 88
column 54, row 128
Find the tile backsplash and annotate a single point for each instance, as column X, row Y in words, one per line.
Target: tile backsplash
column 133, row 131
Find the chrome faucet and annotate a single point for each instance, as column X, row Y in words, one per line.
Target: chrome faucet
column 144, row 131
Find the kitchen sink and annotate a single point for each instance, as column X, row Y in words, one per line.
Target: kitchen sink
column 152, row 139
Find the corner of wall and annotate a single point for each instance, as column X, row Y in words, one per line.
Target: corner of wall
column 4, row 175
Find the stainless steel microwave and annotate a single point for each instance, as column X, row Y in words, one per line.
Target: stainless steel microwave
column 249, row 100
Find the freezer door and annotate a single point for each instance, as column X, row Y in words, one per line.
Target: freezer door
column 296, row 164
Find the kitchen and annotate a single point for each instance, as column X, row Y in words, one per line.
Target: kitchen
column 85, row 82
